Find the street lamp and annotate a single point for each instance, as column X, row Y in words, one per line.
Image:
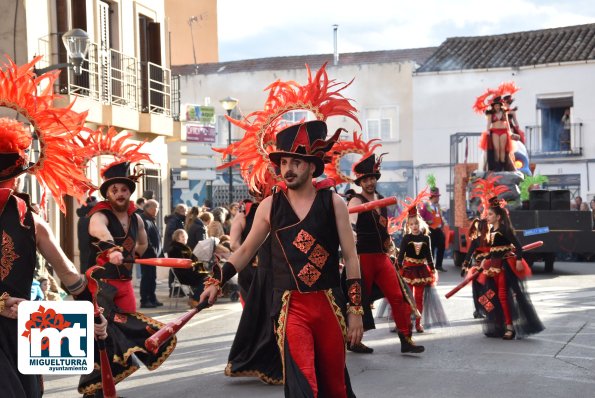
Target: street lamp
column 229, row 104
column 76, row 42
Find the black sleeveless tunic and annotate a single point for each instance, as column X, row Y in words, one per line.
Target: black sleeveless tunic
column 17, row 264
column 127, row 240
column 372, row 230
column 246, row 276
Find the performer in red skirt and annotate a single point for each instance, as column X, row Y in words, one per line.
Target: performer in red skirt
column 415, row 259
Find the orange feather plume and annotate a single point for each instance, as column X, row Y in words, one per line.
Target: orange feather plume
column 319, row 95
column 58, row 168
column 483, row 102
column 408, row 205
column 485, row 189
column 507, row 88
column 346, row 147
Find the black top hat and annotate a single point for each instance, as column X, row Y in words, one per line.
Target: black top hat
column 367, row 167
column 305, row 141
column 117, row 173
column 495, row 202
column 13, row 164
column 497, row 100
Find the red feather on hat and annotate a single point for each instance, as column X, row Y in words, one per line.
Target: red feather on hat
column 486, row 189
column 346, row 147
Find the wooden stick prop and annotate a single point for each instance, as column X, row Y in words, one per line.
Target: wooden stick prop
column 162, row 335
column 375, row 204
column 477, row 272
column 107, row 379
column 166, row 262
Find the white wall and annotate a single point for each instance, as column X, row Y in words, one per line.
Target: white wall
column 442, row 106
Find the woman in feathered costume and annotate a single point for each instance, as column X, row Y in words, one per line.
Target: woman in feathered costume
column 507, row 305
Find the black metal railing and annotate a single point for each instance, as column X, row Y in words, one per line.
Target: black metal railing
column 175, row 97
column 555, row 141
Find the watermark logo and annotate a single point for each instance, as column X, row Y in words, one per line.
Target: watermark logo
column 55, row 337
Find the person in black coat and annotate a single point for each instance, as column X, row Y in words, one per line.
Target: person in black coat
column 195, row 228
column 82, row 230
column 148, row 282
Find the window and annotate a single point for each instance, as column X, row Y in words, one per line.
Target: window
column 382, row 123
column 296, row 116
column 555, row 116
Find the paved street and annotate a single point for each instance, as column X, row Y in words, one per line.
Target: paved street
column 459, row 361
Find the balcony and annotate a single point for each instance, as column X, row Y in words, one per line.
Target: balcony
column 556, row 141
column 121, row 85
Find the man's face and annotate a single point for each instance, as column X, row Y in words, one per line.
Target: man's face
column 118, row 196
column 368, row 184
column 435, row 199
column 152, row 210
column 296, row 172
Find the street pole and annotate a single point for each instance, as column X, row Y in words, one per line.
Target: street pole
column 229, row 158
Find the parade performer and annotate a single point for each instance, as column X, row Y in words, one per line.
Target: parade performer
column 508, row 308
column 240, row 228
column 307, row 225
column 506, row 91
column 373, row 245
column 23, row 231
column 117, row 236
column 496, row 140
column 252, row 353
column 478, row 251
column 432, row 214
column 415, row 255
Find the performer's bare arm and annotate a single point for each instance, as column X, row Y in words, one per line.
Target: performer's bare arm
column 237, row 227
column 142, row 242
column 67, row 272
column 52, row 252
column 261, row 226
column 352, row 203
column 355, row 329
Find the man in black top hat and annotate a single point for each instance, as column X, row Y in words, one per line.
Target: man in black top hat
column 373, row 247
column 306, row 222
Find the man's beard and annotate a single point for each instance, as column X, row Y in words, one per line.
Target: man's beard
column 298, row 181
column 117, row 206
column 370, row 189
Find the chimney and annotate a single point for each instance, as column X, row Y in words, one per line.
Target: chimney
column 336, row 53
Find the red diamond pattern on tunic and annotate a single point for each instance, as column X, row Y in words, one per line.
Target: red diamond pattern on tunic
column 490, row 293
column 309, row 274
column 318, row 256
column 128, row 244
column 8, row 255
column 382, row 220
column 304, row 241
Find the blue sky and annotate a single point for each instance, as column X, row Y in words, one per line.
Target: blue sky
column 271, row 28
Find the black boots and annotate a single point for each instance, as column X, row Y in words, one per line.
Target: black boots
column 408, row 346
column 360, row 348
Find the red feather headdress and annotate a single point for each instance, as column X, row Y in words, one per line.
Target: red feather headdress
column 58, row 168
column 486, row 190
column 319, row 95
column 484, row 101
column 345, row 147
column 507, row 88
column 409, row 206
column 111, row 143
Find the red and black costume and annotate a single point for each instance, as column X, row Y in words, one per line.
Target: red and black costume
column 503, row 295
column 16, row 276
column 254, row 351
column 478, row 251
column 306, row 283
column 432, row 215
column 127, row 329
column 416, row 265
